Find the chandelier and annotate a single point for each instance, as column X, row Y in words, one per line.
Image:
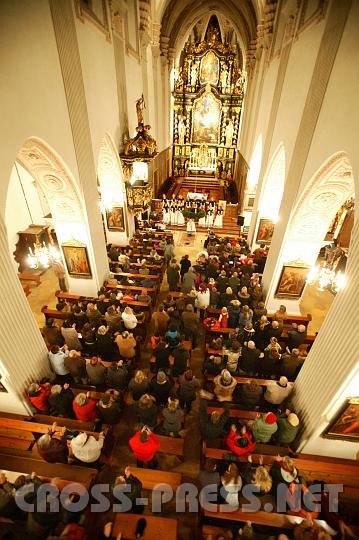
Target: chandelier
column 326, row 278
column 40, row 256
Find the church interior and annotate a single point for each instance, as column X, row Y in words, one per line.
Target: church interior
column 179, row 259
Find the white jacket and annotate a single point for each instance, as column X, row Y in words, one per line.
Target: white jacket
column 276, row 394
column 88, row 450
column 129, row 321
column 202, row 299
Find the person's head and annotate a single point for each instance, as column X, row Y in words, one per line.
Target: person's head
column 244, row 290
column 288, row 465
column 161, row 377
column 125, row 334
column 274, row 353
column 143, row 436
column 261, row 305
column 235, row 346
column 231, row 474
column 81, row 399
column 245, row 309
column 282, row 309
column 19, row 483
column 295, row 352
column 229, row 290
column 210, row 465
column 253, row 385
column 214, row 289
column 215, row 417
column 34, row 389
column 111, row 310
column 172, row 404
column 44, row 441
column 189, row 308
column 139, row 376
column 293, row 419
column 248, row 326
column 55, row 349
column 50, row 322
column 262, row 479
column 270, row 418
column 94, row 361
column 275, row 324
column 283, row 381
column 226, row 377
column 251, row 345
column 301, row 328
column 263, row 319
column 236, row 303
column 102, row 330
column 106, row 401
column 188, row 375
column 128, row 311
column 224, row 310
column 74, row 354
column 56, row 389
column 145, row 401
column 273, row 341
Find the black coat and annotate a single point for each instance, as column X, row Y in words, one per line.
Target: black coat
column 61, row 404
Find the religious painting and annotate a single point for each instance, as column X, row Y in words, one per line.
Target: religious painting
column 292, row 281
column 76, row 258
column 114, row 219
column 345, row 425
column 209, row 71
column 265, row 231
column 206, row 119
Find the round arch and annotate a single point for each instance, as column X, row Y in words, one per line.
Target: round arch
column 255, row 165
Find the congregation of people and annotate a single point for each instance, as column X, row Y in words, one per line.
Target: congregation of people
column 103, row 366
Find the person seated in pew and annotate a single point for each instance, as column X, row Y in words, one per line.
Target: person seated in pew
column 105, row 345
column 209, row 475
column 274, row 330
column 84, row 407
column 87, row 449
column 288, row 426
column 139, row 314
column 38, row 395
column 76, row 365
column 8, row 508
column 60, row 400
column 139, row 385
column 100, row 304
column 250, row 394
column 70, row 335
column 263, row 427
column 172, row 337
column 109, row 408
column 249, row 362
column 143, row 296
column 129, row 318
column 296, row 336
column 232, row 354
column 224, row 386
column 160, row 358
column 128, row 296
column 213, row 364
column 117, row 375
column 172, row 414
column 277, row 391
column 96, row 371
column 52, row 449
column 93, row 314
column 57, row 362
column 160, row 388
column 181, row 360
column 147, row 411
column 43, row 520
column 52, row 333
column 144, row 445
column 291, row 364
column 143, row 268
column 231, row 485
column 147, row 283
column 257, row 475
column 135, row 493
column 188, row 386
column 240, row 442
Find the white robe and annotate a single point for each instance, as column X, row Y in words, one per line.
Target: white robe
column 218, row 220
column 191, row 227
column 180, row 218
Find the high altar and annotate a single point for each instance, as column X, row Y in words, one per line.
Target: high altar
column 208, row 94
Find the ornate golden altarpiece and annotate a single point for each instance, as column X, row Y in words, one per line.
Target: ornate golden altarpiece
column 208, row 95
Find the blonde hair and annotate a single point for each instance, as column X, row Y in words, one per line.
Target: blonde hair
column 128, row 310
column 81, row 399
column 224, row 310
column 262, row 479
column 139, row 376
column 172, row 405
column 56, row 389
column 244, row 290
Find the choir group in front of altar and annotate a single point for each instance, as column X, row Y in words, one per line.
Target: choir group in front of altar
column 172, row 210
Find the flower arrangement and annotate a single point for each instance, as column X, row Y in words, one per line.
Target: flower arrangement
column 193, row 215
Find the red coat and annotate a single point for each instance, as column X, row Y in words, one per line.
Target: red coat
column 86, row 413
column 231, row 443
column 40, row 402
column 144, row 451
column 223, row 323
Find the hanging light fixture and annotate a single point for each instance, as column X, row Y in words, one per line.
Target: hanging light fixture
column 41, row 256
column 326, row 278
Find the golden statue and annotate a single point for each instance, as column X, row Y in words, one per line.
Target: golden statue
column 140, row 105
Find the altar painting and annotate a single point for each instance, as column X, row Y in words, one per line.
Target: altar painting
column 206, row 120
column 209, row 71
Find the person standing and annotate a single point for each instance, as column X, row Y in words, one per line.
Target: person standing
column 60, row 273
column 144, row 445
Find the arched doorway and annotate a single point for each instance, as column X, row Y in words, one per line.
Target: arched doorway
column 252, row 181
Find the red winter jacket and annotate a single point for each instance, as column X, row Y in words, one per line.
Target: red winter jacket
column 40, row 402
column 86, row 413
column 231, row 442
column 144, row 451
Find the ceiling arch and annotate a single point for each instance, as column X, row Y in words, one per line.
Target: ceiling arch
column 179, row 18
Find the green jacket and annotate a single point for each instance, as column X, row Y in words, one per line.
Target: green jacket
column 262, row 432
column 286, row 432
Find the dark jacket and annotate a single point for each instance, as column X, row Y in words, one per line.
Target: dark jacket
column 209, row 430
column 117, row 377
column 291, row 365
column 180, row 359
column 148, row 416
column 61, row 404
column 56, row 452
column 105, row 347
column 160, row 391
column 250, row 360
column 97, row 373
column 286, row 433
column 250, row 396
column 110, row 415
column 222, row 284
column 76, row 366
column 233, row 315
column 187, row 389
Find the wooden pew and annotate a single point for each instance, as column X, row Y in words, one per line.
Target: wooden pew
column 157, row 527
column 26, row 289
column 30, row 277
column 213, row 332
column 151, row 291
column 171, row 445
column 27, row 465
column 298, row 319
column 152, row 277
column 70, row 423
column 150, row 478
column 245, row 380
column 261, row 449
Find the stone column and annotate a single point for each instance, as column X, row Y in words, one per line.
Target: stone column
column 23, row 353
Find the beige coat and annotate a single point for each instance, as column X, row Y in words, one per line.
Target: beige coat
column 126, row 346
column 224, row 393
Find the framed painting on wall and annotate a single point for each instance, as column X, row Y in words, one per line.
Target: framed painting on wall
column 265, row 231
column 76, row 259
column 292, row 281
column 345, row 425
column 206, row 119
column 114, row 219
